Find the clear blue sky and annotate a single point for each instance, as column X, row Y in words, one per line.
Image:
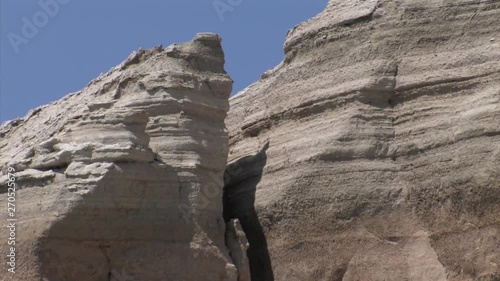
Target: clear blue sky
column 76, row 40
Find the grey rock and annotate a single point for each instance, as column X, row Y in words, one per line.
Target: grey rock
column 383, row 121
column 112, row 180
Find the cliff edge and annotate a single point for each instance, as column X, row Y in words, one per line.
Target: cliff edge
column 384, row 128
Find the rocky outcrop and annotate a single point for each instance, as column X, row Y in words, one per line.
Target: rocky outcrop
column 123, row 180
column 384, row 130
column 370, row 153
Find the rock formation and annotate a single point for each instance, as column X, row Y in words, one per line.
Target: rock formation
column 123, row 180
column 372, row 152
column 384, row 130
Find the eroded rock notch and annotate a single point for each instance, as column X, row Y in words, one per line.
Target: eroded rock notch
column 240, row 185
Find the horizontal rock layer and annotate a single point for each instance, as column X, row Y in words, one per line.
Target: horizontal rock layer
column 384, row 130
column 124, row 178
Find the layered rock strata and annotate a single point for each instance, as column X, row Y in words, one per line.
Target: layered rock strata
column 384, row 130
column 123, row 180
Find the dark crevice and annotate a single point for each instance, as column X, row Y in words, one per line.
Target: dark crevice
column 240, row 185
column 60, row 168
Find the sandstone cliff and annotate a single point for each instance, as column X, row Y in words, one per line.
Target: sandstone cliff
column 384, row 130
column 372, row 152
column 123, row 180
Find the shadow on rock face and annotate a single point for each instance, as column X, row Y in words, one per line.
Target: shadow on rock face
column 240, row 184
column 120, row 229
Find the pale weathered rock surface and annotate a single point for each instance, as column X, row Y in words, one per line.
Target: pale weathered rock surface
column 123, row 180
column 237, row 245
column 384, row 130
column 372, row 153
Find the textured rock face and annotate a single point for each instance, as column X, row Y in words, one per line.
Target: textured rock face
column 384, row 130
column 123, row 180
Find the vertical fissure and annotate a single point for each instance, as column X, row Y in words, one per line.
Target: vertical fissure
column 240, row 184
